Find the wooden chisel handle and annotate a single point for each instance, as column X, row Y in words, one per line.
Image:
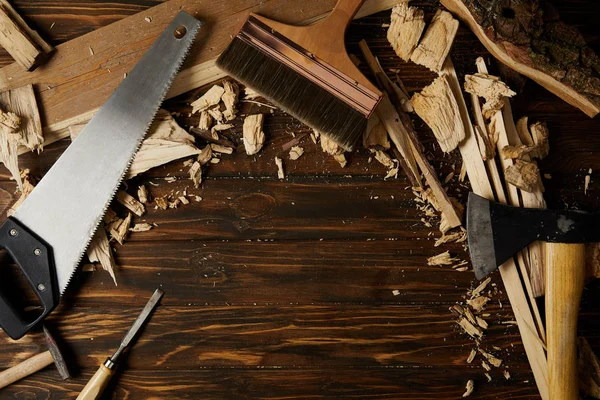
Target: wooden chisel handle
column 26, row 368
column 565, row 274
column 94, row 388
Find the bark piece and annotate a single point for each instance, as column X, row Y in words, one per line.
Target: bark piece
column 205, row 121
column 530, row 38
column 211, row 98
column 437, row 42
column 25, row 45
column 491, row 88
column 384, row 159
column 437, row 106
column 166, row 142
column 406, row 27
column 254, row 137
column 196, row 174
column 296, row 152
column 130, row 202
column 470, row 387
column 230, row 99
column 100, row 251
column 525, row 175
column 472, row 330
column 20, row 125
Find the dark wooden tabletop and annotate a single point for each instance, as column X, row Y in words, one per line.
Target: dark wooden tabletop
column 285, row 289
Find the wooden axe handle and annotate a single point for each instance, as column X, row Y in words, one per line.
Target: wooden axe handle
column 26, row 368
column 565, row 274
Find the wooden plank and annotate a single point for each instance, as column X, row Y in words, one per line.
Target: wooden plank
column 119, row 46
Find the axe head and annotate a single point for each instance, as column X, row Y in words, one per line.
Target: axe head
column 497, row 232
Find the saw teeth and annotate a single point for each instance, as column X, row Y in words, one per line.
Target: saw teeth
column 190, row 40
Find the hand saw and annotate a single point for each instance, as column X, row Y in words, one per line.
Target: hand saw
column 50, row 231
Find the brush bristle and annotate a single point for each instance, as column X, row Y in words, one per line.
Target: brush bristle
column 294, row 93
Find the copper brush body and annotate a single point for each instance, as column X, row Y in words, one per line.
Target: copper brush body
column 306, row 71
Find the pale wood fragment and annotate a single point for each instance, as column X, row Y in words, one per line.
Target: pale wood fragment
column 525, row 175
column 280, row 172
column 206, row 121
column 491, row 88
column 406, row 27
column 100, row 251
column 482, row 286
column 437, row 106
column 143, row 195
column 435, row 46
column 441, row 259
column 211, row 98
column 205, row 155
column 472, row 355
column 469, row 388
column 474, row 331
column 296, row 152
column 230, row 99
column 384, row 159
column 492, row 359
column 161, row 203
column 142, row 227
column 216, row 114
column 130, row 202
column 120, row 232
column 478, row 303
column 217, row 148
column 196, row 174
column 254, row 136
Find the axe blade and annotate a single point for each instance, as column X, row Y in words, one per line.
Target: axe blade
column 497, row 232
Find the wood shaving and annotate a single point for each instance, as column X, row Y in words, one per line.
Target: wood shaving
column 205, row 121
column 392, row 173
column 540, row 134
column 250, row 94
column 161, row 202
column 495, row 361
column 472, row 330
column 587, row 180
column 215, row 160
column 469, row 388
column 230, row 99
column 142, row 227
column 211, row 98
column 507, row 377
column 486, row 366
column 481, row 322
column 130, row 202
column 296, row 152
column 524, row 175
column 405, row 30
column 435, row 46
column 330, row 147
column 216, row 114
column 491, row 88
column 280, row 172
column 120, row 232
column 437, row 106
column 384, row 159
column 472, row 355
column 341, row 159
column 205, row 155
column 143, row 195
column 456, row 237
column 482, row 286
column 441, row 259
column 100, row 251
column 254, row 136
column 376, row 136
column 217, row 148
column 478, row 303
column 488, row 376
column 195, row 174
column 175, row 203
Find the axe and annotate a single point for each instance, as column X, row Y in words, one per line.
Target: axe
column 497, row 232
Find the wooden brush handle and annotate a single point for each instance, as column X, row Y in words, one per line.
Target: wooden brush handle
column 565, row 273
column 94, row 388
column 340, row 17
column 26, row 368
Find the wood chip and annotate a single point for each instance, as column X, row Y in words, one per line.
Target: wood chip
column 470, row 388
column 441, row 259
column 376, row 136
column 472, row 355
column 406, row 27
column 437, row 106
column 524, row 175
column 183, row 200
column 211, row 98
column 175, row 203
column 507, row 377
column 217, row 148
column 384, row 159
column 486, row 366
column 478, row 303
column 341, row 159
column 330, row 147
column 216, row 115
column 205, row 155
column 482, row 286
column 142, row 227
column 279, row 163
column 219, row 128
column 296, row 152
column 488, row 376
column 492, row 359
column 130, row 202
column 143, row 195
column 205, row 121
column 120, row 232
column 540, row 134
column 230, row 99
column 161, row 202
column 491, row 88
column 254, row 137
column 472, row 330
column 456, row 237
column 250, row 94
column 437, row 41
column 196, row 174
column 100, row 251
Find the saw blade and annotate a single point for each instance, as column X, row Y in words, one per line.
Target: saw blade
column 68, row 204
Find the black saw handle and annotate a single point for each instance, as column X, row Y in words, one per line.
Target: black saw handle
column 34, row 259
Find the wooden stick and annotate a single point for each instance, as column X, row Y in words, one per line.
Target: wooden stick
column 480, row 183
column 26, row 368
column 65, row 104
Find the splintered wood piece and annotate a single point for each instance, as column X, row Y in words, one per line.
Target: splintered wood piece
column 230, row 99
column 437, row 106
column 441, row 259
column 525, row 175
column 540, row 134
column 280, row 172
column 205, row 155
column 205, row 121
column 472, row 355
column 529, row 326
column 211, row 98
column 482, row 286
column 491, row 88
column 492, row 359
column 474, row 331
column 217, row 148
column 469, row 388
column 254, row 137
column 456, row 237
column 330, row 147
column 406, row 27
column 20, row 125
column 341, row 159
column 27, row 187
column 143, row 194
column 437, row 42
column 544, row 48
column 196, row 174
column 166, row 141
column 120, row 232
column 143, row 227
column 130, row 202
column 25, row 45
column 100, row 251
column 161, row 202
column 296, row 152
column 219, row 128
column 376, row 136
column 478, row 303
column 384, row 159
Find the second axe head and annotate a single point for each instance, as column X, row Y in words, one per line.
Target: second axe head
column 497, row 232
